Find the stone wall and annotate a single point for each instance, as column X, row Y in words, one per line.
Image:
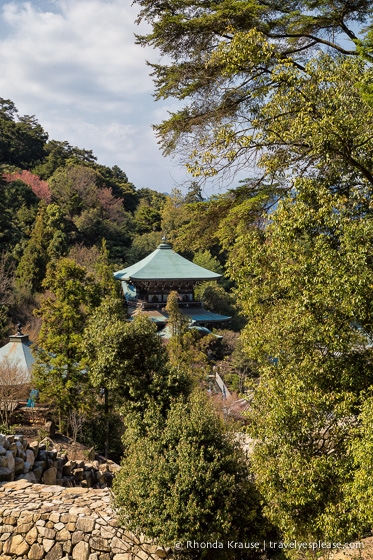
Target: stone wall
column 40, row 462
column 40, row 522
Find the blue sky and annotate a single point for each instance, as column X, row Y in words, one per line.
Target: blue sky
column 75, row 66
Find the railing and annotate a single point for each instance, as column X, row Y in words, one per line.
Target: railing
column 162, row 304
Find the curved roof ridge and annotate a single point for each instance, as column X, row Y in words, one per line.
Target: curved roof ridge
column 165, row 263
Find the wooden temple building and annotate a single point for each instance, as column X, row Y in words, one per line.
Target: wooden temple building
column 147, row 284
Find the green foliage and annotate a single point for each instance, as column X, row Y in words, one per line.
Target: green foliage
column 58, row 372
column 47, row 241
column 225, row 61
column 22, row 139
column 128, row 358
column 59, row 154
column 90, row 208
column 184, row 478
column 206, row 260
column 147, row 218
column 94, row 432
column 305, row 288
column 18, row 207
column 177, row 322
column 142, row 246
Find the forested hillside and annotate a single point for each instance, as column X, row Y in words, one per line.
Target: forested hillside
column 58, row 200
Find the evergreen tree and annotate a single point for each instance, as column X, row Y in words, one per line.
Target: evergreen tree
column 63, row 310
column 184, row 478
column 47, row 242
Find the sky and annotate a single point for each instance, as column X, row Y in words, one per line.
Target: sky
column 74, row 65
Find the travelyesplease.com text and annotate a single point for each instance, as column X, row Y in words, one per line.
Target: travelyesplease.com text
column 270, row 545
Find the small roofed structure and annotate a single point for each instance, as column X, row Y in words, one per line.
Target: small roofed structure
column 148, row 283
column 16, row 354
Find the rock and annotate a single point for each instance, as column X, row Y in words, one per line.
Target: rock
column 81, row 551
column 6, row 474
column 34, row 446
column 24, row 528
column 36, row 552
column 31, row 536
column 18, row 467
column 29, row 476
column 50, row 428
column 16, row 545
column 67, row 546
column 30, row 456
column 46, row 533
column 78, row 475
column 3, row 461
column 118, row 546
column 10, row 520
column 161, row 552
column 63, row 535
column 11, row 460
column 49, row 476
column 97, row 543
column 47, row 544
column 38, row 472
column 68, row 468
column 2, row 450
column 55, row 553
column 88, row 477
column 13, row 448
column 77, row 537
column 85, row 524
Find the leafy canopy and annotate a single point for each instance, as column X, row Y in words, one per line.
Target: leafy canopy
column 226, row 60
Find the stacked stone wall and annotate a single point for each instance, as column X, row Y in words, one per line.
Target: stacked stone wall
column 40, row 462
column 40, row 522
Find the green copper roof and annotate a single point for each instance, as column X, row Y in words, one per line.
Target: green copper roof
column 165, row 264
column 18, row 353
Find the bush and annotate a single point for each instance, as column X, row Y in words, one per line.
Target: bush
column 184, row 478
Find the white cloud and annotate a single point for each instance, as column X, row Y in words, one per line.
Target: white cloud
column 75, row 65
column 87, row 47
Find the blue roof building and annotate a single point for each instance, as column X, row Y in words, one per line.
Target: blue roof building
column 17, row 354
column 148, row 283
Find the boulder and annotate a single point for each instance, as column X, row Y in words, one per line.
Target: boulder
column 18, row 467
column 6, row 474
column 49, row 476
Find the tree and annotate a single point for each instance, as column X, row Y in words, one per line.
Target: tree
column 47, row 241
column 18, row 207
column 185, row 478
column 226, row 60
column 22, row 138
column 105, row 372
column 40, row 188
column 6, row 284
column 129, row 358
column 177, row 322
column 14, row 386
column 306, row 292
column 63, row 310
